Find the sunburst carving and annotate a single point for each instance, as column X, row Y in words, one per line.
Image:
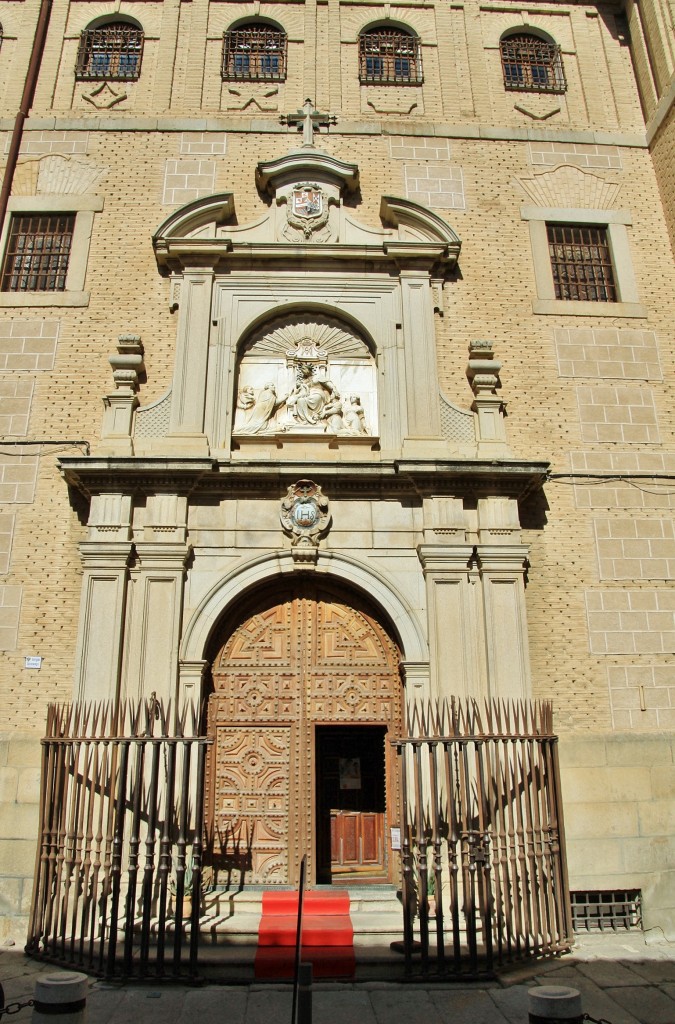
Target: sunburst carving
column 280, row 336
column 571, row 187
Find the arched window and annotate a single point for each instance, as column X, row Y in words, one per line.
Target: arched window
column 255, row 52
column 531, row 63
column 110, row 52
column 390, row 56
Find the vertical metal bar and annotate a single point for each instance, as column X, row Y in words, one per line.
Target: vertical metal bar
column 202, row 749
column 88, row 897
column 136, row 794
column 78, row 844
column 62, row 831
column 116, row 865
column 108, row 838
column 468, row 863
column 181, row 844
column 484, row 865
column 164, row 868
column 298, row 937
column 420, row 842
column 100, row 838
column 437, row 843
column 40, row 891
column 554, row 792
column 406, row 867
column 449, row 753
column 149, row 867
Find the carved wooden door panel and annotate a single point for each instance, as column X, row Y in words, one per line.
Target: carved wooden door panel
column 288, row 666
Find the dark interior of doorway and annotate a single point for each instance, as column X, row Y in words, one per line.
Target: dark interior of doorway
column 350, row 796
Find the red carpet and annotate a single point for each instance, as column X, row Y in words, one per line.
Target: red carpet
column 327, row 935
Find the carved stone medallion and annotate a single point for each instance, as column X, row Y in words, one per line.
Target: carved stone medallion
column 305, row 518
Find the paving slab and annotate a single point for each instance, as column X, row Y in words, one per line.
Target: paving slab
column 466, row 1007
column 409, row 1005
column 596, row 1001
column 512, row 1002
column 655, row 972
column 347, row 1007
column 610, row 973
column 216, row 1004
column 270, row 1006
column 649, row 1005
column 142, row 1005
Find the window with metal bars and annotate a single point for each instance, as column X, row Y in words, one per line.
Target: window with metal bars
column 389, row 56
column 111, row 52
column 532, row 64
column 38, row 251
column 581, row 262
column 255, row 52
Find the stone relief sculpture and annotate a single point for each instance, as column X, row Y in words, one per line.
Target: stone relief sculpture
column 308, row 387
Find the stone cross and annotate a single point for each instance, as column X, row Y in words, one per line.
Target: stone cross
column 309, row 119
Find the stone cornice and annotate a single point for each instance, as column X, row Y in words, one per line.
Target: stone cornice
column 394, row 478
column 178, row 254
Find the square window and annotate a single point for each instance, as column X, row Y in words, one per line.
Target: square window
column 45, row 247
column 38, row 252
column 581, row 262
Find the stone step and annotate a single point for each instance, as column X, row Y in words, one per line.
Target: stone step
column 233, row 918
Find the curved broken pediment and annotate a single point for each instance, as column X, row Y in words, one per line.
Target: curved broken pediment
column 417, row 223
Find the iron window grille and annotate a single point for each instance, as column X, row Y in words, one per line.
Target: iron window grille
column 532, row 64
column 38, row 251
column 389, row 56
column 112, row 52
column 607, row 910
column 581, row 262
column 256, row 53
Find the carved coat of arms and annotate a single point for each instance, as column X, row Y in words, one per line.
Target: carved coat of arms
column 307, row 208
column 305, row 517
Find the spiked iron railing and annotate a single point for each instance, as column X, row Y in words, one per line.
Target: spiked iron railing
column 482, row 829
column 116, row 781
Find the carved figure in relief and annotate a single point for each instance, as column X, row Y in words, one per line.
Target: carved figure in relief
column 312, row 393
column 355, row 417
column 257, row 411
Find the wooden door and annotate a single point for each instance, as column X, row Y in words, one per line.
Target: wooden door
column 287, row 666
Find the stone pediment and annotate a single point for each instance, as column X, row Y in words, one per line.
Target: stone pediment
column 306, row 188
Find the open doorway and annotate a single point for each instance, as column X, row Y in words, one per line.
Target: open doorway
column 351, row 804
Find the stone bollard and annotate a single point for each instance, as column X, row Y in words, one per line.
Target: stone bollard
column 554, row 1004
column 60, row 998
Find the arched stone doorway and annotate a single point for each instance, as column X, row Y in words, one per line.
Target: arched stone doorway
column 306, row 692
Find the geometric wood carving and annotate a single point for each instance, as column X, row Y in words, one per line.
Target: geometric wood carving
column 314, row 658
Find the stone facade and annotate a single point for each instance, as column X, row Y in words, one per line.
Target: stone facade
column 504, row 499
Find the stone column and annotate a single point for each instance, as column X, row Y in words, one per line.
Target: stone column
column 154, row 630
column 188, row 395
column 106, row 556
column 455, row 620
column 191, row 687
column 421, row 375
column 502, row 572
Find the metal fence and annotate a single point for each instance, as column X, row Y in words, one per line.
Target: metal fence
column 482, row 838
column 120, row 842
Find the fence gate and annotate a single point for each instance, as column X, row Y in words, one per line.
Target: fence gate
column 482, row 839
column 120, row 842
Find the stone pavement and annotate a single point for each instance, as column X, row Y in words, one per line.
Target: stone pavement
column 621, row 979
